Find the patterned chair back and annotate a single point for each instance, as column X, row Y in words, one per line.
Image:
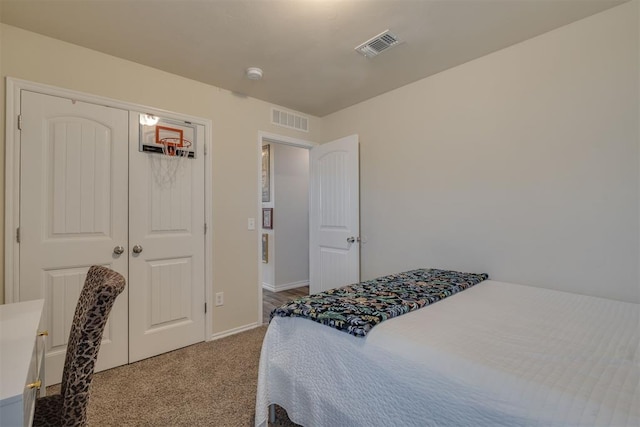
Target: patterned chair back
column 99, row 292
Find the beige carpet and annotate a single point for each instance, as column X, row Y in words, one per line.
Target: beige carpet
column 207, row 384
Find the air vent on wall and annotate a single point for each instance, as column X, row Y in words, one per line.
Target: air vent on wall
column 289, row 120
column 378, row 44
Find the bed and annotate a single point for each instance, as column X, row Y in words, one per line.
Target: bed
column 496, row 354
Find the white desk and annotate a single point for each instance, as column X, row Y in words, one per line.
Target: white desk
column 21, row 361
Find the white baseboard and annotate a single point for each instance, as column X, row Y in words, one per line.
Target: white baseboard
column 268, row 286
column 284, row 286
column 233, row 331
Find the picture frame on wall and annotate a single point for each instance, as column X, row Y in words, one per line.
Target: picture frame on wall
column 265, row 248
column 267, row 218
column 266, row 173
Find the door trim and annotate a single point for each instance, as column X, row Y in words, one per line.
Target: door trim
column 276, row 139
column 12, row 180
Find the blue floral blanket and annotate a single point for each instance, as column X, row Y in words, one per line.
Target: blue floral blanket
column 357, row 308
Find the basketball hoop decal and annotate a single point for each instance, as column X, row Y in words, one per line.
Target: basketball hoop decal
column 170, row 145
column 168, row 137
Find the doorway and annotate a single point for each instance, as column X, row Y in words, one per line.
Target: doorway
column 334, row 212
column 86, row 193
column 283, row 221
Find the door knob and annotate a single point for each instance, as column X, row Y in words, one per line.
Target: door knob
column 37, row 384
column 353, row 239
column 137, row 249
column 118, row 250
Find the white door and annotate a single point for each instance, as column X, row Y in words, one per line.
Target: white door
column 334, row 221
column 166, row 224
column 73, row 212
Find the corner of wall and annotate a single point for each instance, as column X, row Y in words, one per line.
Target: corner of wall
column 2, row 138
column 637, row 6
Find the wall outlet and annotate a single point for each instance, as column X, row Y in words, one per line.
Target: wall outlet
column 220, row 298
column 251, row 224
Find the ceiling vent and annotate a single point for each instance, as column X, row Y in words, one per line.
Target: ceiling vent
column 289, row 120
column 378, row 44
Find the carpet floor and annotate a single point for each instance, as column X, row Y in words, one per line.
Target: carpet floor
column 207, row 384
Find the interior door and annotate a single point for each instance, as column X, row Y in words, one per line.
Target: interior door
column 334, row 221
column 166, row 235
column 73, row 212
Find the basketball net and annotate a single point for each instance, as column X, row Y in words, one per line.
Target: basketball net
column 170, row 163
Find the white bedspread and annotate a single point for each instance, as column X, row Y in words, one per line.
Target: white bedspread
column 497, row 354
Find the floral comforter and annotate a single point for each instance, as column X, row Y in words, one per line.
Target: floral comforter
column 357, row 308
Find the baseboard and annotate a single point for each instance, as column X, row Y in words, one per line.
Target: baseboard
column 284, row 286
column 233, row 331
column 268, row 287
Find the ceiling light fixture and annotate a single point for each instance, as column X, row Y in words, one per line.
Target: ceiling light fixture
column 254, row 73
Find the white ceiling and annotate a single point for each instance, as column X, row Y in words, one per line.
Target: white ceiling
column 305, row 47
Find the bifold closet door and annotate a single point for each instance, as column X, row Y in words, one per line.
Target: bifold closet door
column 73, row 214
column 88, row 196
column 166, row 235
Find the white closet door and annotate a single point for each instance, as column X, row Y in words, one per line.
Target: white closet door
column 166, row 309
column 73, row 212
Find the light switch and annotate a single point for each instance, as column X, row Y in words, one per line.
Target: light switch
column 251, row 224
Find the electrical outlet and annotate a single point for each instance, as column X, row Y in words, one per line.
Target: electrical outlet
column 251, row 224
column 220, row 298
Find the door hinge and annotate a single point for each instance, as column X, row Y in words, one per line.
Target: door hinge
column 18, row 234
column 205, row 308
column 205, row 228
column 205, row 149
column 19, row 121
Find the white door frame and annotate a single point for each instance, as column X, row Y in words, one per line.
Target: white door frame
column 12, row 180
column 276, row 139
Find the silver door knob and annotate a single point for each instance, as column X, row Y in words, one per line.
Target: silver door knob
column 137, row 249
column 118, row 250
column 353, row 239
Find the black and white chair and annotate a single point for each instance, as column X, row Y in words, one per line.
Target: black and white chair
column 69, row 408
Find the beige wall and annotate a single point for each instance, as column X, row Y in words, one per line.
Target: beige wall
column 291, row 214
column 288, row 260
column 522, row 164
column 236, row 122
column 2, row 119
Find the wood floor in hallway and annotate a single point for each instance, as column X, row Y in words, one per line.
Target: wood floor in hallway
column 272, row 300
